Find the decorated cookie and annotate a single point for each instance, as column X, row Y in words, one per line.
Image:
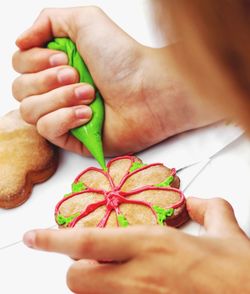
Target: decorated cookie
column 25, row 159
column 128, row 193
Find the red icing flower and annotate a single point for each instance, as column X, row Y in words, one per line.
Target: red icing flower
column 128, row 193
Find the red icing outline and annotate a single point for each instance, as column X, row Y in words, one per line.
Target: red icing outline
column 115, row 197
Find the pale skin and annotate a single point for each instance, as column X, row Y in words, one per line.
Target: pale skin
column 151, row 259
column 125, row 73
column 156, row 259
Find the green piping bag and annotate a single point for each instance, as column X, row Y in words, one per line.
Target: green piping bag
column 89, row 134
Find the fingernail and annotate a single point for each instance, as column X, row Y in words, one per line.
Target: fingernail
column 84, row 92
column 29, row 239
column 83, row 112
column 66, row 75
column 58, row 59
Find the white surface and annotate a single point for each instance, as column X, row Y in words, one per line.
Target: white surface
column 26, row 271
column 193, row 146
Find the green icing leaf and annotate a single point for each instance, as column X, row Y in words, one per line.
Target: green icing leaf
column 162, row 214
column 136, row 165
column 166, row 183
column 123, row 222
column 61, row 220
column 78, row 187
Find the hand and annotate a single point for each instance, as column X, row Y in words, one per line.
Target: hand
column 144, row 104
column 156, row 259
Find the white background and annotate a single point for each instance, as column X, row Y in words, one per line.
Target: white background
column 26, row 271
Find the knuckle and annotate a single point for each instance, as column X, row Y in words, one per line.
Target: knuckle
column 146, row 232
column 42, row 240
column 92, row 9
column 45, row 12
column 87, row 242
column 26, row 113
column 162, row 231
column 220, row 202
column 16, row 86
column 45, row 80
column 90, row 13
column 43, row 127
column 65, row 97
column 54, row 125
column 33, row 59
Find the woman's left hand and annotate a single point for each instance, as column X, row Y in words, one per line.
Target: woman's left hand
column 156, row 259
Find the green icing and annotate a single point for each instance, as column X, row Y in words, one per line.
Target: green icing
column 162, row 214
column 89, row 134
column 123, row 222
column 166, row 183
column 61, row 220
column 78, row 187
column 136, row 165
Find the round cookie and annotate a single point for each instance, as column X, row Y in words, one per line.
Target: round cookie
column 128, row 193
column 26, row 158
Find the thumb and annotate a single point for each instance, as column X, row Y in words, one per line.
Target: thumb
column 50, row 23
column 57, row 22
column 216, row 215
column 81, row 24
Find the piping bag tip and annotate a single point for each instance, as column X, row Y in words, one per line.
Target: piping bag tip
column 98, row 155
column 93, row 142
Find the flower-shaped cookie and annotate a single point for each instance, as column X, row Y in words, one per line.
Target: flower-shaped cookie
column 128, row 193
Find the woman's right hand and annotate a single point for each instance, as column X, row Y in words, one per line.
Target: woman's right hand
column 144, row 104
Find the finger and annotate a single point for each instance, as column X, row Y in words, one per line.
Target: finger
column 82, row 25
column 216, row 215
column 83, row 277
column 43, row 82
column 37, row 59
column 56, row 125
column 50, row 23
column 99, row 244
column 34, row 107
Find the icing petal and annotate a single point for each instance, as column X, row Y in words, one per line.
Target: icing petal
column 163, row 197
column 149, row 175
column 77, row 203
column 151, row 201
column 93, row 219
column 94, row 178
column 119, row 167
column 137, row 214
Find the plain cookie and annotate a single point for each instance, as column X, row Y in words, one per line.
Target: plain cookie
column 26, row 159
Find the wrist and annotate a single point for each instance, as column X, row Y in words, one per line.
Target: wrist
column 176, row 109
